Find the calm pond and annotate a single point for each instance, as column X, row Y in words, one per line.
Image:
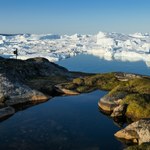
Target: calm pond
column 71, row 122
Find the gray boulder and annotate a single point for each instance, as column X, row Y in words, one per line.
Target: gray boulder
column 138, row 132
column 29, row 81
column 126, row 76
column 15, row 74
column 109, row 102
column 14, row 92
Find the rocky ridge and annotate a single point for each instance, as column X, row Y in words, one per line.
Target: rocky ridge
column 26, row 81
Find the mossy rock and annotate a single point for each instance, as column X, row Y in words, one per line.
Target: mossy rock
column 70, row 86
column 138, row 106
column 84, row 89
column 91, row 81
column 135, row 91
column 78, row 81
column 141, row 85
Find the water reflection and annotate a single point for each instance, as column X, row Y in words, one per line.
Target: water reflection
column 119, row 55
column 120, row 122
column 65, row 123
column 90, row 63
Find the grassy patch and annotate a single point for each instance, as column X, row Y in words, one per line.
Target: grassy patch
column 138, row 105
column 141, row 85
column 78, row 81
column 82, row 89
column 135, row 91
column 99, row 81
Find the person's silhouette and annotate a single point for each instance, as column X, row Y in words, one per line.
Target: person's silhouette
column 16, row 52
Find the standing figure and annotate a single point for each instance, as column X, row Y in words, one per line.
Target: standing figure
column 16, row 52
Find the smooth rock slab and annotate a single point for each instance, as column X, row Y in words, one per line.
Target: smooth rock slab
column 33, row 96
column 59, row 89
column 106, row 105
column 109, row 102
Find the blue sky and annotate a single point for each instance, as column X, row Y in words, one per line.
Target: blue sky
column 74, row 16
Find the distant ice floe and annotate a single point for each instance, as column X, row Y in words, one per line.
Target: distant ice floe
column 109, row 46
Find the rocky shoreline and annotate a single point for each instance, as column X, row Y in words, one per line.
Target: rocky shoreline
column 128, row 97
column 28, row 81
column 37, row 80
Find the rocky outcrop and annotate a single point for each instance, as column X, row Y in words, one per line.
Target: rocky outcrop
column 126, row 76
column 131, row 89
column 31, row 80
column 60, row 89
column 109, row 102
column 119, row 111
column 138, row 132
column 21, row 70
column 106, row 105
column 15, row 74
column 14, row 92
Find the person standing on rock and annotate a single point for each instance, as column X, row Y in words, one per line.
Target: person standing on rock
column 16, row 52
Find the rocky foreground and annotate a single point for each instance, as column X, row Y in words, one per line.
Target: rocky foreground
column 29, row 81
column 36, row 80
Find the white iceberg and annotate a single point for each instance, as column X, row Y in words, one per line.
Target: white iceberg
column 132, row 47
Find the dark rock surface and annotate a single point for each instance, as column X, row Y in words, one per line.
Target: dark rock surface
column 29, row 80
column 14, row 75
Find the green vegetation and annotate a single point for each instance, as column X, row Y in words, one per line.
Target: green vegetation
column 78, row 81
column 99, row 81
column 141, row 86
column 138, row 105
column 134, row 91
column 70, row 86
column 82, row 89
